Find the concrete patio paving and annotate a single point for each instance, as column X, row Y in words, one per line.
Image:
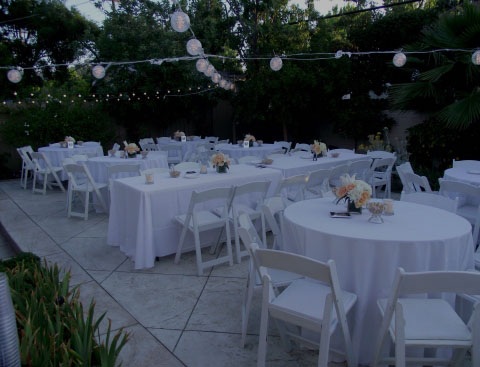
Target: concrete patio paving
column 175, row 318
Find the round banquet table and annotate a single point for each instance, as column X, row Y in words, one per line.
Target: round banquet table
column 416, row 237
column 56, row 155
column 462, row 174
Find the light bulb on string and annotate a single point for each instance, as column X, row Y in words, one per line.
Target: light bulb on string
column 399, row 59
column 216, row 78
column 222, row 83
column 202, row 65
column 476, row 57
column 210, row 70
column 276, row 63
column 14, row 76
column 98, row 71
column 194, row 47
column 180, row 21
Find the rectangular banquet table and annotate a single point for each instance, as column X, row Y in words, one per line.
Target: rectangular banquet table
column 141, row 217
column 302, row 163
column 236, row 151
column 416, row 237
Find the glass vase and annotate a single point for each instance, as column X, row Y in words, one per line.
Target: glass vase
column 352, row 208
column 221, row 169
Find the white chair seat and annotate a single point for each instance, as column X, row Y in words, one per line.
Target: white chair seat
column 206, row 219
column 305, row 299
column 434, row 319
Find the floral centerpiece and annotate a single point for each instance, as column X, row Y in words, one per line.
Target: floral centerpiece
column 355, row 192
column 177, row 135
column 318, row 149
column 69, row 139
column 220, row 162
column 131, row 149
column 250, row 138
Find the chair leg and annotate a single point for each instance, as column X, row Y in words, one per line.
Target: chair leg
column 198, row 253
column 262, row 342
column 87, row 202
column 229, row 243
column 325, row 334
column 237, row 240
column 69, row 203
column 247, row 302
column 180, row 245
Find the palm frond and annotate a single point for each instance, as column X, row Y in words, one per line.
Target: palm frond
column 402, row 95
column 435, row 74
column 462, row 113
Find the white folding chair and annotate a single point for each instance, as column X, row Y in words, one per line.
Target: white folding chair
column 317, row 304
column 280, row 278
column 415, row 183
column 81, row 182
column 335, row 174
column 198, row 220
column 122, row 170
column 360, row 169
column 27, row 164
column 174, row 152
column 248, row 198
column 116, row 147
column 150, row 147
column 468, row 203
column 431, row 199
column 401, row 170
column 317, row 183
column 381, row 175
column 44, row 168
column 432, row 322
column 146, row 141
column 272, row 219
column 292, row 188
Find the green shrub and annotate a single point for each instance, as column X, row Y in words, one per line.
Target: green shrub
column 52, row 326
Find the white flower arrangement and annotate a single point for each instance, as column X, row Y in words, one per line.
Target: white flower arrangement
column 69, row 139
column 319, row 148
column 219, row 160
column 357, row 191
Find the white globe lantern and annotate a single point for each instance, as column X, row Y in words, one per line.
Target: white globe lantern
column 399, row 59
column 276, row 63
column 210, row 70
column 98, row 71
column 216, row 77
column 194, row 47
column 202, row 65
column 14, row 76
column 180, row 21
column 476, row 57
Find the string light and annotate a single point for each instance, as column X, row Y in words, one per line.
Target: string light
column 98, row 71
column 180, row 21
column 194, row 47
column 14, row 75
column 202, row 65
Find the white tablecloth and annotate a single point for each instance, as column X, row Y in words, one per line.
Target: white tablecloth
column 471, row 176
column 56, row 155
column 417, row 238
column 187, row 146
column 302, row 162
column 98, row 165
column 235, row 151
column 141, row 216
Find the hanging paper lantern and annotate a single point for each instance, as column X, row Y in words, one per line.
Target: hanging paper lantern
column 476, row 57
column 399, row 59
column 180, row 21
column 210, row 71
column 98, row 71
column 14, row 75
column 338, row 54
column 216, row 77
column 276, row 63
column 202, row 65
column 194, row 47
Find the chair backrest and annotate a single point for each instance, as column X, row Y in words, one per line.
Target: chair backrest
column 187, row 166
column 26, row 154
column 361, row 169
column 337, row 172
column 292, row 188
column 415, row 183
column 317, row 181
column 401, row 170
column 431, row 199
column 131, row 169
column 248, row 159
column 383, row 165
column 116, row 147
column 257, row 191
column 223, row 195
column 381, row 154
column 41, row 161
column 174, row 152
column 164, row 140
column 247, row 232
